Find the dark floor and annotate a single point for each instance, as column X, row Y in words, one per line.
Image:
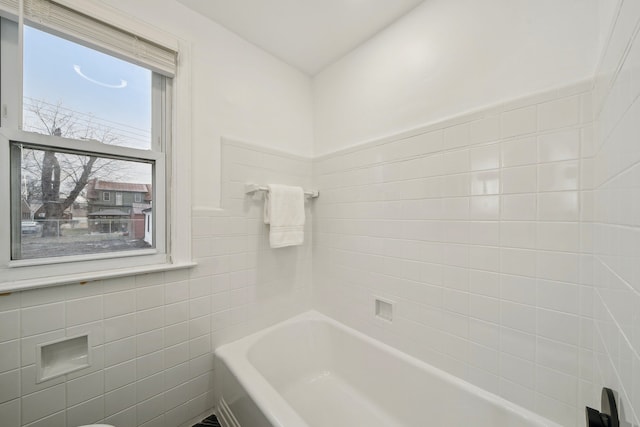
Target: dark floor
column 211, row 421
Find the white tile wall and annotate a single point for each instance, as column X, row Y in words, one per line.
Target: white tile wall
column 616, row 214
column 128, row 352
column 251, row 285
column 153, row 335
column 477, row 239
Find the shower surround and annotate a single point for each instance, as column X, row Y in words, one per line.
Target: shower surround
column 479, row 229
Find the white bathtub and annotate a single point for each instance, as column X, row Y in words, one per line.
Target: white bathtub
column 311, row 371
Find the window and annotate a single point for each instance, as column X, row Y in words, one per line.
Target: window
column 87, row 134
column 82, row 224
column 106, row 101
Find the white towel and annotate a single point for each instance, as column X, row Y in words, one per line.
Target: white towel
column 284, row 212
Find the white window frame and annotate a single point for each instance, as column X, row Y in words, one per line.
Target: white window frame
column 137, row 198
column 106, row 196
column 175, row 250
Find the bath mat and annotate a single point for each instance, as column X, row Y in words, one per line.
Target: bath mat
column 211, row 421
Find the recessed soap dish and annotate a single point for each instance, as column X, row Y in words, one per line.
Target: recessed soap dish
column 62, row 356
column 383, row 308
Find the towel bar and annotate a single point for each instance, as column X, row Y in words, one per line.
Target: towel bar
column 253, row 188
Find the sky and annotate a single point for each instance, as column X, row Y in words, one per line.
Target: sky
column 115, row 92
column 110, row 92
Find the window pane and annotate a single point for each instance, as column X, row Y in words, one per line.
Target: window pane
column 65, row 209
column 77, row 92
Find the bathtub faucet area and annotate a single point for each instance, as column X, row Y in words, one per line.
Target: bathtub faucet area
column 608, row 414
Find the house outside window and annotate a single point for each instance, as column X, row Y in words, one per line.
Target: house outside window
column 96, row 103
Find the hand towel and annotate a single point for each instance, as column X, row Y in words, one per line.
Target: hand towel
column 284, row 212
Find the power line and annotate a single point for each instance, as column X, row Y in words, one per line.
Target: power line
column 82, row 113
column 88, row 120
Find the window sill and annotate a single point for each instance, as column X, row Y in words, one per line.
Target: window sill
column 23, row 285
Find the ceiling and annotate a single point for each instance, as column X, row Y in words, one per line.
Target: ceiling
column 308, row 34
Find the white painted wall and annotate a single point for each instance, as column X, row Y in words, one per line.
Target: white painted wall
column 607, row 11
column 239, row 91
column 447, row 57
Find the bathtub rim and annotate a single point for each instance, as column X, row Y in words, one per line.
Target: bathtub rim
column 235, row 356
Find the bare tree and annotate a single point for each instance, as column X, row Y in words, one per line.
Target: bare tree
column 62, row 175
